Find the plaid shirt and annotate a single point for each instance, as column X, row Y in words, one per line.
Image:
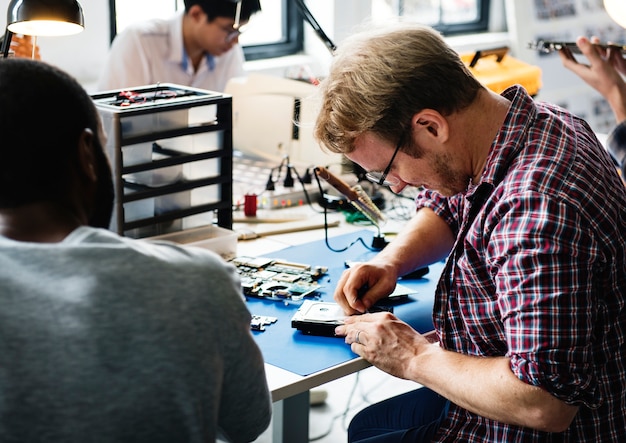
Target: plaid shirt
column 540, row 275
column 616, row 143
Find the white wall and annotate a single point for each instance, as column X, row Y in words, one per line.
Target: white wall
column 81, row 55
column 336, row 18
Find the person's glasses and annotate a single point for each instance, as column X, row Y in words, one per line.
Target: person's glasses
column 381, row 177
column 232, row 34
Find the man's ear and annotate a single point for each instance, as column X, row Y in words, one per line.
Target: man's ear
column 86, row 158
column 197, row 14
column 432, row 124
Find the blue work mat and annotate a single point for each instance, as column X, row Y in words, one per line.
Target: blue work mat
column 303, row 354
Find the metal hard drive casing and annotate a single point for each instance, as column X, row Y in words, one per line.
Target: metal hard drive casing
column 318, row 318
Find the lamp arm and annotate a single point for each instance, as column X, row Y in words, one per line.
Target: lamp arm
column 306, row 13
column 6, row 43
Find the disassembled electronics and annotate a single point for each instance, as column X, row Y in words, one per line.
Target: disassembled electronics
column 259, row 322
column 276, row 279
column 321, row 318
column 318, row 318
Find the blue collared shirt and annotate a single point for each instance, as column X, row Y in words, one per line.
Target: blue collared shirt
column 210, row 61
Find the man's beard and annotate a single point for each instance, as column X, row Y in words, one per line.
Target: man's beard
column 452, row 181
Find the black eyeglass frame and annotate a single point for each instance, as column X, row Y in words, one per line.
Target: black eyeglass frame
column 381, row 179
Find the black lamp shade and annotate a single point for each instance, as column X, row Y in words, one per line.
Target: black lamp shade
column 45, row 17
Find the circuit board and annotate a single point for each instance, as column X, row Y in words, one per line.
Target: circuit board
column 277, row 279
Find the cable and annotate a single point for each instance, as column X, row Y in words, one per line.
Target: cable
column 307, row 179
column 365, row 400
column 343, row 414
column 270, row 185
column 358, row 240
column 288, row 182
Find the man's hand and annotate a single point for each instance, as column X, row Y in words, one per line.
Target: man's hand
column 22, row 46
column 603, row 73
column 363, row 285
column 385, row 341
column 483, row 385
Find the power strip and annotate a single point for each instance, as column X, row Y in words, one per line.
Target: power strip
column 251, row 175
column 287, row 197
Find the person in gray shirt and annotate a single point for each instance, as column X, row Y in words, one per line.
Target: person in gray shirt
column 105, row 338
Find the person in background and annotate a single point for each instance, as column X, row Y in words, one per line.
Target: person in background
column 198, row 48
column 22, row 46
column 105, row 338
column 605, row 73
column 528, row 210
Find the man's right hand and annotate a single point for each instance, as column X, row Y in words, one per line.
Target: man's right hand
column 361, row 286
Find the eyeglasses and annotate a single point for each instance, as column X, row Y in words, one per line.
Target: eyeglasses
column 381, row 177
column 232, row 34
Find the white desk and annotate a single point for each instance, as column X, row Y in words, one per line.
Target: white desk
column 290, row 394
column 290, row 391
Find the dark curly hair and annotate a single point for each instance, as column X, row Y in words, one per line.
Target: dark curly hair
column 43, row 112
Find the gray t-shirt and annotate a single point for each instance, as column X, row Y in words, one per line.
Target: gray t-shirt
column 110, row 339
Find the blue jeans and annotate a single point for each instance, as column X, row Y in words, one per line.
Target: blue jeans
column 412, row 417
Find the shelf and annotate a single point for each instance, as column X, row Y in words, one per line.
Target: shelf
column 170, row 149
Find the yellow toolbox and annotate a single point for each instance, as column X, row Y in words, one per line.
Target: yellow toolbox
column 497, row 70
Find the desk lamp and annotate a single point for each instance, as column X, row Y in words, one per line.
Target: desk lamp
column 42, row 17
column 306, row 13
column 617, row 11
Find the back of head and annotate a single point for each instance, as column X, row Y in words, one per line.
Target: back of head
column 382, row 76
column 226, row 8
column 43, row 112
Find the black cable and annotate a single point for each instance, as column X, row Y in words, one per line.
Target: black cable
column 302, row 182
column 325, row 206
column 270, row 185
column 307, row 179
column 288, row 182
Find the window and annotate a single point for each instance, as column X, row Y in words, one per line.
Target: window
column 276, row 31
column 447, row 16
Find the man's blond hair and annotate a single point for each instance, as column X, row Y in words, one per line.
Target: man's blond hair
column 382, row 76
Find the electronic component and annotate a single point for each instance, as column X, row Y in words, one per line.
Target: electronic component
column 318, row 318
column 321, row 318
column 259, row 322
column 547, row 47
column 278, row 279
